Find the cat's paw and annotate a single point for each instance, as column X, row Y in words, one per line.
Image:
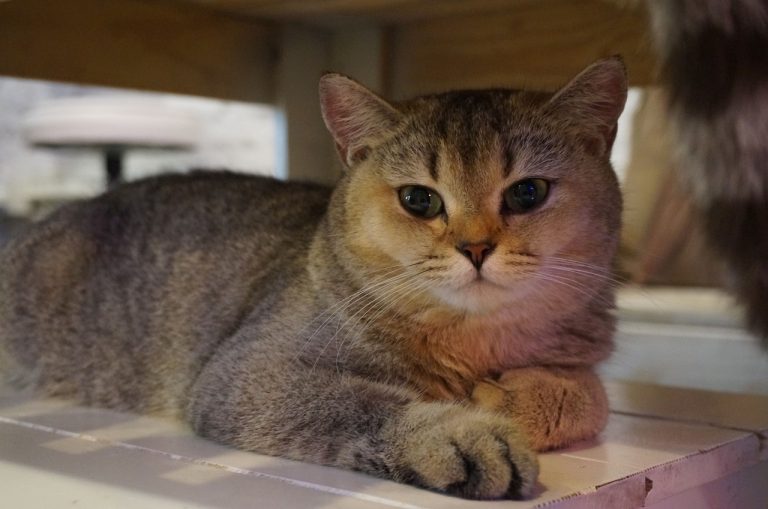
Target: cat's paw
column 554, row 407
column 464, row 452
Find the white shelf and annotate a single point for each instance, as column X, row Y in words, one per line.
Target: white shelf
column 686, row 337
column 54, row 454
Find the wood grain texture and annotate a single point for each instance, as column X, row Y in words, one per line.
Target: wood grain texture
column 140, row 44
column 345, row 12
column 533, row 44
column 306, row 152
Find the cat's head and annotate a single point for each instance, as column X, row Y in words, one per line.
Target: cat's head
column 479, row 199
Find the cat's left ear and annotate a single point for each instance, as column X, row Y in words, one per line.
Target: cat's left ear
column 593, row 101
column 356, row 117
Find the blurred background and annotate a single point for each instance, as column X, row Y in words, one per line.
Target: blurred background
column 93, row 92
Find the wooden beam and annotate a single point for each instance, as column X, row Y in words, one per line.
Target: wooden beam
column 143, row 44
column 337, row 13
column 532, row 44
column 358, row 52
column 305, row 151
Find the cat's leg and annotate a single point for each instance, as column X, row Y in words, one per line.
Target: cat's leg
column 323, row 417
column 554, row 406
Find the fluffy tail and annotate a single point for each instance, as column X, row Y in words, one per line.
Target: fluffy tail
column 715, row 69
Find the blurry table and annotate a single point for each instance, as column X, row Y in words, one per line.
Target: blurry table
column 111, row 125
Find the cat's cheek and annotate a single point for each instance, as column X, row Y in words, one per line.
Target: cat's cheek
column 567, row 228
column 381, row 232
column 504, row 274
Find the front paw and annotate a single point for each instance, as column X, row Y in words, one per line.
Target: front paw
column 463, row 451
column 554, row 407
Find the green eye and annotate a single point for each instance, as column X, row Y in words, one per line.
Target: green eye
column 525, row 195
column 421, row 201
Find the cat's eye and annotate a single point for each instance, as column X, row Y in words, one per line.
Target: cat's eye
column 525, row 195
column 421, row 201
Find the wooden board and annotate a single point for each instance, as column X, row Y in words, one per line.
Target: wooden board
column 448, row 44
column 344, row 12
column 138, row 44
column 531, row 44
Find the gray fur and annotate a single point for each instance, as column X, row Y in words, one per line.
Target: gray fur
column 265, row 314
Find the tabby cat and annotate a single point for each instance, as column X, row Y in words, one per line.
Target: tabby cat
column 433, row 320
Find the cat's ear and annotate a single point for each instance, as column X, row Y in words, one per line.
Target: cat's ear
column 356, row 117
column 593, row 101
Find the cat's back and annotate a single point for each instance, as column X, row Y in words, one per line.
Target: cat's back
column 150, row 277
column 203, row 211
column 203, row 205
column 198, row 208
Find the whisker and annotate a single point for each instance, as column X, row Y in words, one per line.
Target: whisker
column 390, row 302
column 345, row 303
column 371, row 314
column 380, row 274
column 388, row 291
column 383, row 280
column 581, row 263
column 607, row 273
column 574, row 285
column 575, row 270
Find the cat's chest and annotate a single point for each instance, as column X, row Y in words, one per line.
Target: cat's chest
column 445, row 360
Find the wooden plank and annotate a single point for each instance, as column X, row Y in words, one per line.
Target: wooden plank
column 140, row 44
column 340, row 12
column 360, row 52
column 305, row 151
column 533, row 44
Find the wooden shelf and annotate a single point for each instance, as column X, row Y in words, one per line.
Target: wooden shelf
column 273, row 51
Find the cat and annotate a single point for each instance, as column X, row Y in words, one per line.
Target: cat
column 715, row 70
column 434, row 319
column 9, row 226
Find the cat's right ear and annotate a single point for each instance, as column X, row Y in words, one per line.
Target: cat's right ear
column 356, row 117
column 593, row 101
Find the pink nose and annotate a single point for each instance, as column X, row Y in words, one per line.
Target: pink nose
column 476, row 253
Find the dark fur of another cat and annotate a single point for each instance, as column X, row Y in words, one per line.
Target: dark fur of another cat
column 714, row 60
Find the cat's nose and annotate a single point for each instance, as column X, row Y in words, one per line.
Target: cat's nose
column 476, row 253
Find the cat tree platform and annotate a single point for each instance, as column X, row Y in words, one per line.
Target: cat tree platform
column 663, row 448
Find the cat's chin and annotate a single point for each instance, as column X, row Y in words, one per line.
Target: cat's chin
column 478, row 296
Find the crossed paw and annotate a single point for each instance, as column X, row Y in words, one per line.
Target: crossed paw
column 486, row 451
column 553, row 407
column 465, row 452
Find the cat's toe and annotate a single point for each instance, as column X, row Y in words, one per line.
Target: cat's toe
column 471, row 454
column 489, row 470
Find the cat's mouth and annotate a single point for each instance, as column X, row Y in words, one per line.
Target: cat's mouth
column 481, row 281
column 480, row 293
